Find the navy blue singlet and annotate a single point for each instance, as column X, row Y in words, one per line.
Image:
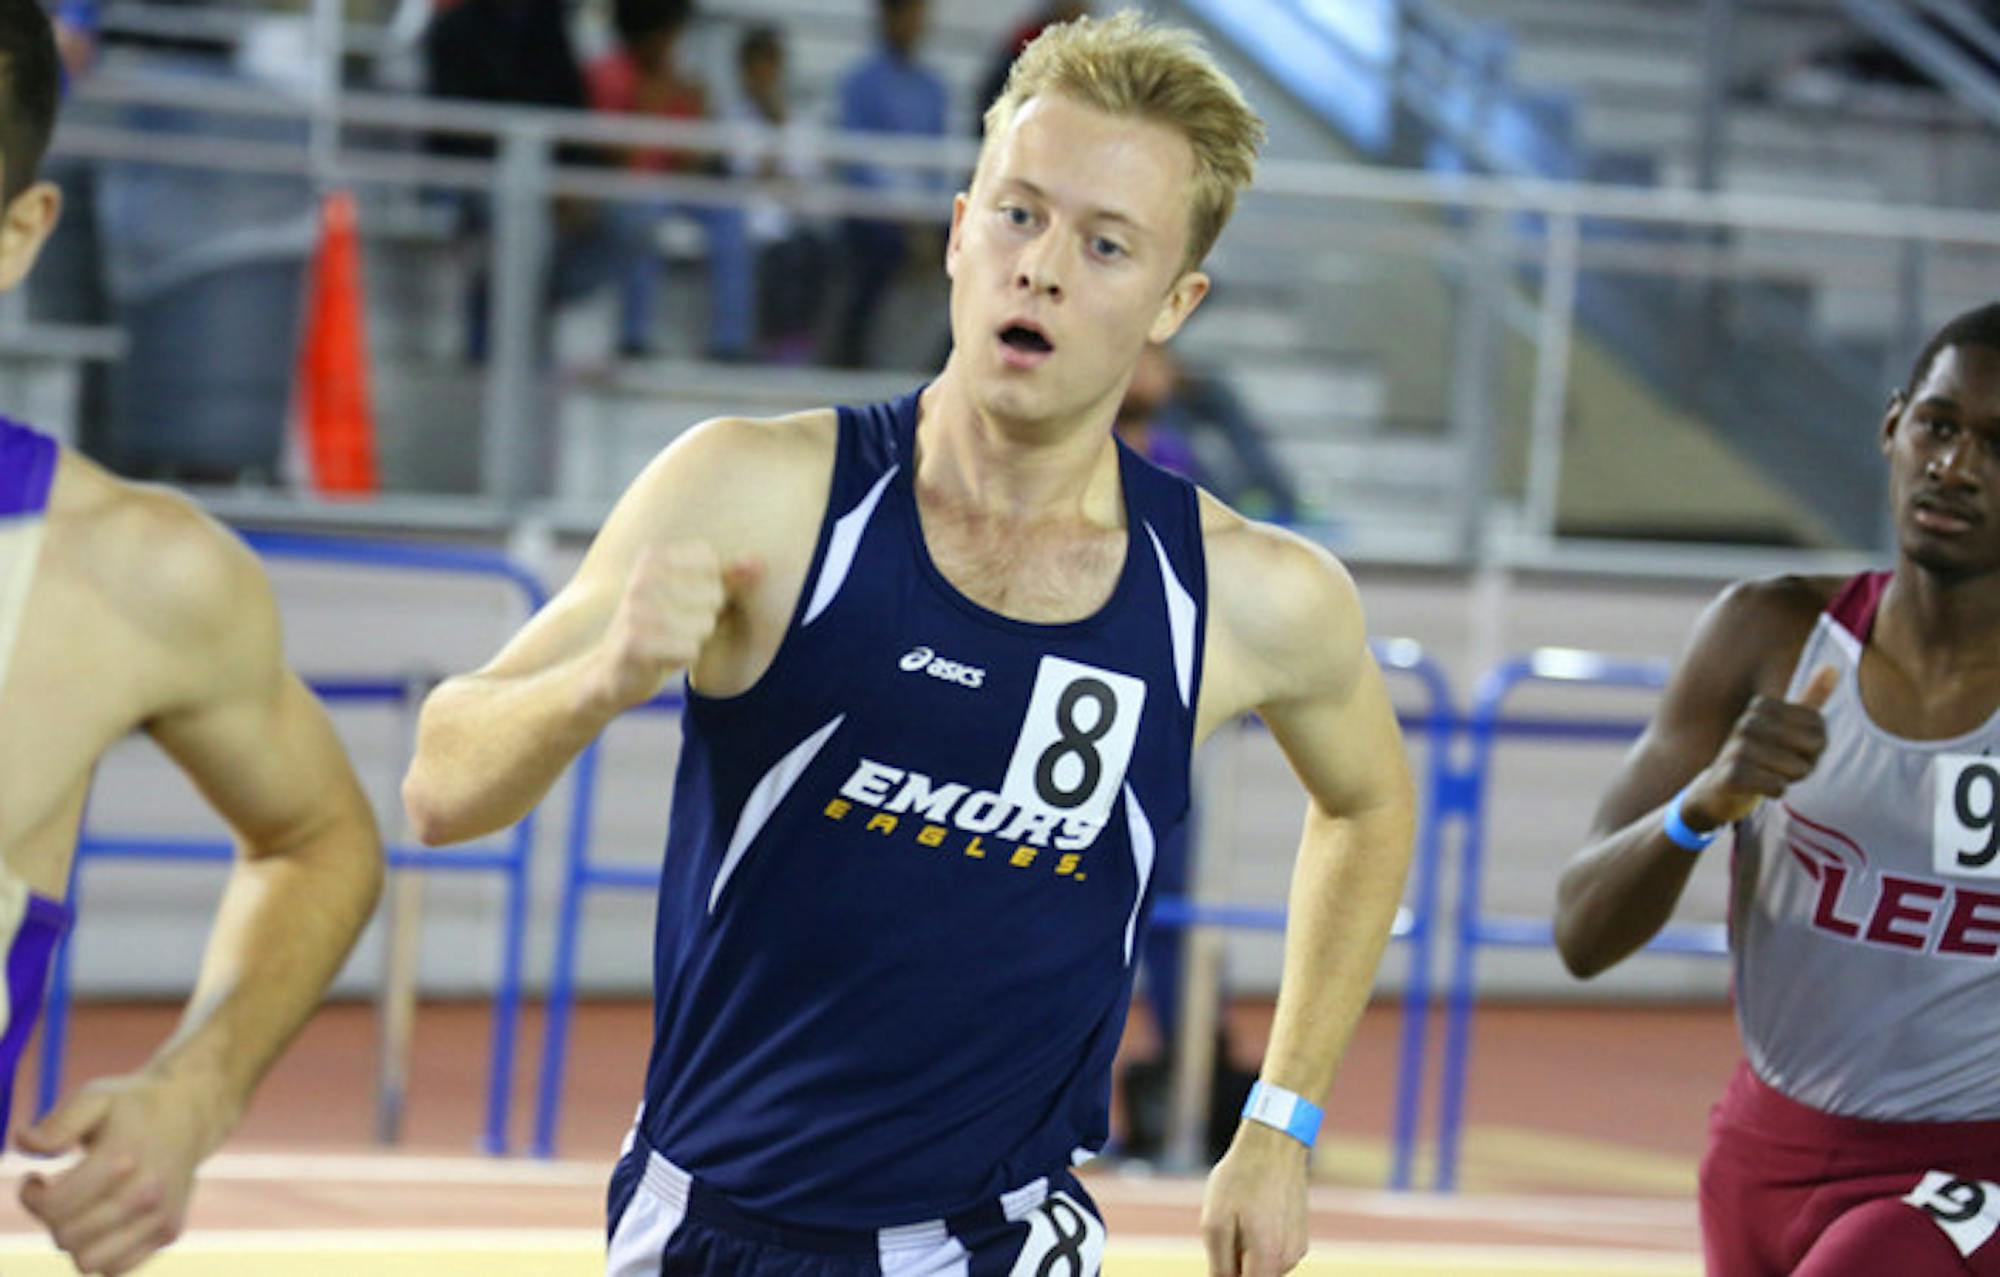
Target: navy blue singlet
column 906, row 875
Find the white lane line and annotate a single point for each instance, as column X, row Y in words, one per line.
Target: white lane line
column 572, row 1240
column 1499, row 1207
column 367, row 1168
column 369, row 1241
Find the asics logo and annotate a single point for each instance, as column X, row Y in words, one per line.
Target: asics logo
column 927, row 660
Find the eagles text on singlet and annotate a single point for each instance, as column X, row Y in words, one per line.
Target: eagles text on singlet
column 958, row 818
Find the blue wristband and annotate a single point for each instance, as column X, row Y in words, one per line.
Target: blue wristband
column 1276, row 1107
column 1677, row 829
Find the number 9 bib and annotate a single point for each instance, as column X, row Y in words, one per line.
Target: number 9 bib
column 1965, row 824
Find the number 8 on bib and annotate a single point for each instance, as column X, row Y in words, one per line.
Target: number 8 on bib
column 1076, row 740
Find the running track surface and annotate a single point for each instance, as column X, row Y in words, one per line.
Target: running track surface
column 1585, row 1127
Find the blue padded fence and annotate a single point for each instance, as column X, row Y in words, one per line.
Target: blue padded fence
column 510, row 862
column 1476, row 929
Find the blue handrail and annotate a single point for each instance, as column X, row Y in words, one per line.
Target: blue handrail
column 511, row 862
column 1487, row 724
column 1415, row 924
column 581, row 875
column 1439, row 723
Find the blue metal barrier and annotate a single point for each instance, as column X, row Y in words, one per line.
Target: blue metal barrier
column 511, row 862
column 581, row 875
column 1475, row 929
column 1438, row 724
column 1415, row 923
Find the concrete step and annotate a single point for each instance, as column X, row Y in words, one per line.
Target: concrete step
column 1376, row 469
column 1309, row 400
column 615, row 418
column 1630, row 21
column 1663, row 65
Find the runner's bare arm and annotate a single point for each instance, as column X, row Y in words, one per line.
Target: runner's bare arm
column 260, row 749
column 1294, row 620
column 1711, row 727
column 651, row 591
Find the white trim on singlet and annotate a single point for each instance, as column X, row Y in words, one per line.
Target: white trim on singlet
column 20, row 550
column 632, row 1133
column 842, row 546
column 764, row 800
column 1842, row 637
column 651, row 1218
column 1850, row 649
column 1181, row 616
column 1142, row 861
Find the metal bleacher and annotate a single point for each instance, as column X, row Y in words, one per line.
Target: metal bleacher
column 1763, row 333
column 1323, row 405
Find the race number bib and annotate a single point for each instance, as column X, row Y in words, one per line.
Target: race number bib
column 1064, row 1240
column 1076, row 740
column 1965, row 820
column 1968, row 1210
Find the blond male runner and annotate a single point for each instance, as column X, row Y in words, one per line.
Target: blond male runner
column 125, row 608
column 947, row 659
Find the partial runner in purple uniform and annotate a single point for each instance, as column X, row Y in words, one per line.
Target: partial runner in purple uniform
column 124, row 608
column 31, row 924
column 1848, row 729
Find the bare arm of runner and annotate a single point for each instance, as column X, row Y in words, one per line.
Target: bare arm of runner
column 260, row 749
column 669, row 576
column 1296, row 642
column 1715, row 733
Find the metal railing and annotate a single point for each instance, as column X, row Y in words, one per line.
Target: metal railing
column 1302, row 221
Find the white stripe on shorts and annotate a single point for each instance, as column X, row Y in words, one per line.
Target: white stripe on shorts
column 1017, row 1205
column 659, row 1205
column 921, row 1250
column 656, row 1210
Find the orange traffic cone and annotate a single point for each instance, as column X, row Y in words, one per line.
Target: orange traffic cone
column 334, row 413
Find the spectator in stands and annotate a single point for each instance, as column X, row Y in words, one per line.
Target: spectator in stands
column 516, row 52
column 792, row 254
column 642, row 77
column 995, row 79
column 890, row 92
column 1167, row 408
column 503, row 52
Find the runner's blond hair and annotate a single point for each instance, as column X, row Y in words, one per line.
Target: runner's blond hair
column 1126, row 65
